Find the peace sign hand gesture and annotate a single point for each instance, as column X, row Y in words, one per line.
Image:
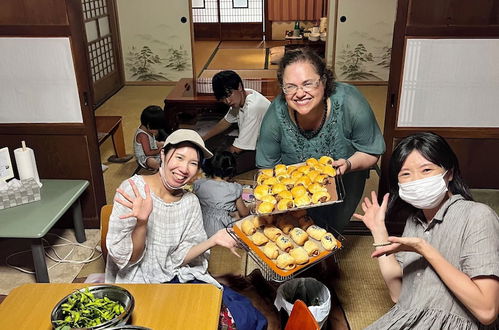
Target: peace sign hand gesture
column 140, row 207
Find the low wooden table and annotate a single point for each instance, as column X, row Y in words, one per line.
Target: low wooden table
column 110, row 126
column 34, row 220
column 194, row 98
column 157, row 306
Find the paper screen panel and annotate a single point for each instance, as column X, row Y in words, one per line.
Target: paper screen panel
column 450, row 83
column 39, row 81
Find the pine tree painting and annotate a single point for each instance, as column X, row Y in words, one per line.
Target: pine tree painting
column 177, row 59
column 353, row 62
column 384, row 59
column 141, row 62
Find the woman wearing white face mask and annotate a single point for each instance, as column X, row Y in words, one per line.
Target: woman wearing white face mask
column 446, row 268
column 156, row 232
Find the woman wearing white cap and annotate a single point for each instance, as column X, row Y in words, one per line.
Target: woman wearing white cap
column 156, row 232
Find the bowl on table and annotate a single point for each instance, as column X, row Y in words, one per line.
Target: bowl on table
column 314, row 36
column 112, row 292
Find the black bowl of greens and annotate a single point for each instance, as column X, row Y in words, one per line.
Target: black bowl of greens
column 93, row 307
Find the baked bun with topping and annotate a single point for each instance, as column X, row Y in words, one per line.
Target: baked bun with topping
column 285, row 261
column 316, row 232
column 298, row 235
column 271, row 250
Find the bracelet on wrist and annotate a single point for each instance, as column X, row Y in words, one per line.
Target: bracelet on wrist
column 349, row 165
column 382, row 244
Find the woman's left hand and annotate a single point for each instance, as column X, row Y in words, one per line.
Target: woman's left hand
column 223, row 238
column 409, row 244
column 342, row 165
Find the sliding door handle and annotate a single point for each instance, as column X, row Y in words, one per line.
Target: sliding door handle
column 393, row 99
column 85, row 98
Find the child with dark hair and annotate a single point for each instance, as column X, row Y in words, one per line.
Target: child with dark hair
column 145, row 146
column 220, row 200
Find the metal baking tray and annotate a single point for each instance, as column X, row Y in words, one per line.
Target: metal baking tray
column 336, row 190
column 269, row 269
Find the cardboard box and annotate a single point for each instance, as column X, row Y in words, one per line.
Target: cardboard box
column 28, row 192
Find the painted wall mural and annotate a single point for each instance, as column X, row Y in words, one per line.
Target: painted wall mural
column 364, row 39
column 156, row 44
column 360, row 64
column 144, row 64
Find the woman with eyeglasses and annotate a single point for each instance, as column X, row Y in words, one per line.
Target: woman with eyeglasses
column 443, row 272
column 316, row 116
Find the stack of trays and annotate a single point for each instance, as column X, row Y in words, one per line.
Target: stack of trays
column 280, row 237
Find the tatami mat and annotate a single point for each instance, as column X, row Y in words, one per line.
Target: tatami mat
column 202, row 51
column 245, row 74
column 251, row 44
column 229, row 59
column 127, row 103
column 360, row 286
column 375, row 95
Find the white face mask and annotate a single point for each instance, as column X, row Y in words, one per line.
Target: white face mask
column 425, row 193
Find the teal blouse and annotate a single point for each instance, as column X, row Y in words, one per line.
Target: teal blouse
column 350, row 127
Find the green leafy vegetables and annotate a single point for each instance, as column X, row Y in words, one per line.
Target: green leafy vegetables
column 83, row 310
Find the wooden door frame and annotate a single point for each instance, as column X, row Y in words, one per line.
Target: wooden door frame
column 403, row 30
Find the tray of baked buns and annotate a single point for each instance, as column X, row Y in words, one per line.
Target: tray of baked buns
column 283, row 245
column 289, row 187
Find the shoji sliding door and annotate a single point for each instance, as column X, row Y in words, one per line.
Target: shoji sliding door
column 228, row 19
column 103, row 45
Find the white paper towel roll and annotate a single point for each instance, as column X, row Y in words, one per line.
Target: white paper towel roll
column 26, row 164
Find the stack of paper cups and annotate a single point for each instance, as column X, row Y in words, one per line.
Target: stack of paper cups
column 26, row 164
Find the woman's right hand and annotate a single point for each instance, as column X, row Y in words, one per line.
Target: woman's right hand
column 223, row 238
column 140, row 207
column 374, row 214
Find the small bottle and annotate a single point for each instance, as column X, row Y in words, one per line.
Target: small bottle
column 296, row 31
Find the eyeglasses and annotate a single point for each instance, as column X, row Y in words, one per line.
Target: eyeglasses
column 306, row 87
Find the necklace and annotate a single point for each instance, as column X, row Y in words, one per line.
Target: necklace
column 308, row 134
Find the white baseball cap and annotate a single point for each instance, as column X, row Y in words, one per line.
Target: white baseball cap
column 188, row 135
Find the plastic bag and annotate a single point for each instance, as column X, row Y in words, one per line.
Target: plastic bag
column 314, row 293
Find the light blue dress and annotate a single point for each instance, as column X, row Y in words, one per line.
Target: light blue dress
column 350, row 127
column 217, row 199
